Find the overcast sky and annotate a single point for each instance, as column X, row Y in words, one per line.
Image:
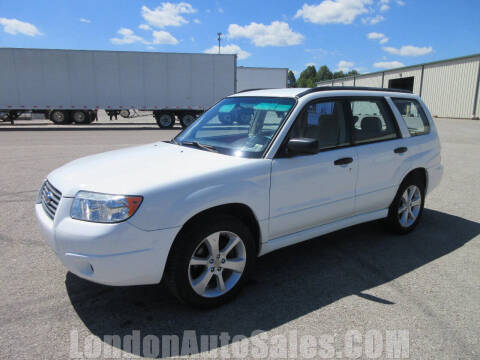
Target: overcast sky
column 367, row 35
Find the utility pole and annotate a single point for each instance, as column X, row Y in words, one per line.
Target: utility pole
column 219, row 40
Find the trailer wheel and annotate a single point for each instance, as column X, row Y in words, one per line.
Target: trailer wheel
column 125, row 113
column 165, row 120
column 225, row 118
column 187, row 119
column 14, row 115
column 80, row 117
column 59, row 116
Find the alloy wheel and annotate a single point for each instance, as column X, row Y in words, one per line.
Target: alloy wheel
column 217, row 264
column 410, row 204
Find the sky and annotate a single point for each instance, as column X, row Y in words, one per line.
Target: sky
column 365, row 35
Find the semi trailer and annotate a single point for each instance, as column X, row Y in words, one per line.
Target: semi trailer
column 72, row 85
column 261, row 78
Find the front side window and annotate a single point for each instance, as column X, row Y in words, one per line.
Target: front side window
column 239, row 126
column 413, row 115
column 323, row 121
column 372, row 121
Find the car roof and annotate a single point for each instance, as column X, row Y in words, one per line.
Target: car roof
column 335, row 90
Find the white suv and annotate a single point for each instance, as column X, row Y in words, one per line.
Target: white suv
column 259, row 171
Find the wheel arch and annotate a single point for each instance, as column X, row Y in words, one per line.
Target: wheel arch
column 241, row 211
column 418, row 172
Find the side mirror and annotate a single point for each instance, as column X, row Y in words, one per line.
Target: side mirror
column 299, row 146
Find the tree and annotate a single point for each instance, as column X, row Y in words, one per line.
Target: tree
column 341, row 74
column 307, row 77
column 291, row 81
column 323, row 74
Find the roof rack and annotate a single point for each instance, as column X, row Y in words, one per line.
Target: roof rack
column 242, row 91
column 346, row 88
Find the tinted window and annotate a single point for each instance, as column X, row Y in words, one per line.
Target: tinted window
column 239, row 126
column 324, row 121
column 372, row 121
column 413, row 115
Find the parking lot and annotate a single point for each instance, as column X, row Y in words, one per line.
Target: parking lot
column 358, row 279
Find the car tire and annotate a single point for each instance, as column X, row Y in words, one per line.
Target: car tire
column 199, row 276
column 407, row 208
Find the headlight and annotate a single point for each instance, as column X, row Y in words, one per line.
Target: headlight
column 104, row 208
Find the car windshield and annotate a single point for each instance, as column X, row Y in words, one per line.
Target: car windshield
column 238, row 126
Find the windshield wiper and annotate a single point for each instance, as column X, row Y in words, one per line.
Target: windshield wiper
column 200, row 146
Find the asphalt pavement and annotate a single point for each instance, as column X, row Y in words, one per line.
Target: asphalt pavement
column 362, row 280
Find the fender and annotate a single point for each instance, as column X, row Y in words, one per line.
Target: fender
column 174, row 205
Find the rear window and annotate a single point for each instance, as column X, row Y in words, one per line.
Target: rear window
column 413, row 115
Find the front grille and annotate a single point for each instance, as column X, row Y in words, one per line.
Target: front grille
column 50, row 199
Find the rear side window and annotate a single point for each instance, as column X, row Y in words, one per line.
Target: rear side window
column 413, row 115
column 372, row 121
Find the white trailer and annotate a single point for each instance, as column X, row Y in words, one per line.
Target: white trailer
column 261, row 78
column 71, row 85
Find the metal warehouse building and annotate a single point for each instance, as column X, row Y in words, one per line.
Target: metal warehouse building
column 449, row 87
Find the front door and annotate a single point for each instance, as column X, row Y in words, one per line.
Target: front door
column 312, row 190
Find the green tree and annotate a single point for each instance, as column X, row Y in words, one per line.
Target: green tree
column 291, row 80
column 341, row 74
column 307, row 77
column 323, row 74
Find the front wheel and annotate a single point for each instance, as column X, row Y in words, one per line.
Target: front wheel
column 407, row 207
column 210, row 262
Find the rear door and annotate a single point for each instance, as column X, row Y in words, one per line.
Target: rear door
column 382, row 153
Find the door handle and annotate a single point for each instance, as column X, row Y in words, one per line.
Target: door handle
column 343, row 161
column 400, row 150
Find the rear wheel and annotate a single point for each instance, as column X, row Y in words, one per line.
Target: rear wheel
column 165, row 120
column 80, row 117
column 59, row 116
column 407, row 207
column 210, row 261
column 187, row 119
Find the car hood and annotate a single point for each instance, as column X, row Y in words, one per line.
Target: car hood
column 138, row 170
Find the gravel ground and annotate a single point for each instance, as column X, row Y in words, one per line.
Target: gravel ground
column 356, row 280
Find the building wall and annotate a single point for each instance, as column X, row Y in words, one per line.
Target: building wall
column 374, row 80
column 449, row 88
column 415, row 72
column 477, row 113
column 343, row 82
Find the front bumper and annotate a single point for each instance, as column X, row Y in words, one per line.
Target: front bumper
column 111, row 254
